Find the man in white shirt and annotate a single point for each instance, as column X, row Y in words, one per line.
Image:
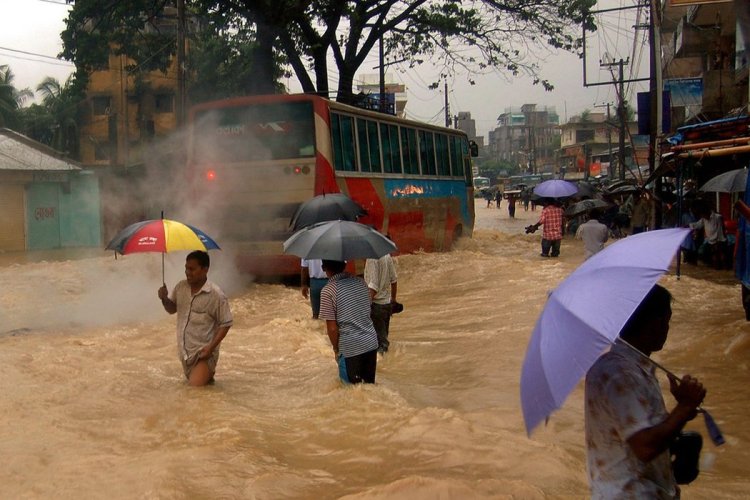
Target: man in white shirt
column 313, row 279
column 593, row 233
column 381, row 279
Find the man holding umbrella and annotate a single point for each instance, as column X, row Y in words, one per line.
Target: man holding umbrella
column 345, row 306
column 552, row 219
column 203, row 319
column 628, row 429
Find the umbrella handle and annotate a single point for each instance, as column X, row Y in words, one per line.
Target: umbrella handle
column 711, row 427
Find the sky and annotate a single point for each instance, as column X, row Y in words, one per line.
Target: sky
column 33, row 26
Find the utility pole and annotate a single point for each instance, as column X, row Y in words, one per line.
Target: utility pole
column 620, row 113
column 381, row 66
column 655, row 92
column 447, row 106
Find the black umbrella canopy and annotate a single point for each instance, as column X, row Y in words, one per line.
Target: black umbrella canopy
column 585, row 206
column 733, row 181
column 338, row 240
column 326, row 207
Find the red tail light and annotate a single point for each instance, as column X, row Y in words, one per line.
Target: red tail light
column 210, row 175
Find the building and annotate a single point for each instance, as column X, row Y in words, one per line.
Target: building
column 706, row 56
column 527, row 137
column 368, row 86
column 464, row 121
column 46, row 200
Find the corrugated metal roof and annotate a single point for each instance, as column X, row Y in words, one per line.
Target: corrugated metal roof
column 18, row 152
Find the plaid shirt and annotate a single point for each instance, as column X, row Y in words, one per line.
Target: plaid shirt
column 552, row 220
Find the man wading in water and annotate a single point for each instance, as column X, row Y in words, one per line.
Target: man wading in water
column 203, row 319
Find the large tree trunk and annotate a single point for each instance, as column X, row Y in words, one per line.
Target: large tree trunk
column 263, row 63
column 345, row 92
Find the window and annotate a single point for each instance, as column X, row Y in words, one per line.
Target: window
column 255, row 132
column 369, row 145
column 409, row 150
column 390, row 147
column 427, row 152
column 342, row 130
column 457, row 164
column 443, row 158
column 101, row 105
column 164, row 103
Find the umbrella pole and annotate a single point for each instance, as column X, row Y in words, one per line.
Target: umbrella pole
column 713, row 429
column 163, row 282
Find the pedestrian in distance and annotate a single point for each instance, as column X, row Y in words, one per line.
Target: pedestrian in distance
column 203, row 319
column 511, row 205
column 345, row 307
column 498, row 197
column 628, row 428
column 593, row 233
column 312, row 279
column 382, row 282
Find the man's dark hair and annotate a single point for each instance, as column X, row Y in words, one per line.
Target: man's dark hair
column 595, row 214
column 335, row 266
column 202, row 257
column 657, row 303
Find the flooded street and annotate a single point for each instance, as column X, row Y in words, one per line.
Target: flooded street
column 95, row 405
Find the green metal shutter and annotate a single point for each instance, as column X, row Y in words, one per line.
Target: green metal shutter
column 43, row 215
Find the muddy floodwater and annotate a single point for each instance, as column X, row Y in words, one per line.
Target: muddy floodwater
column 94, row 404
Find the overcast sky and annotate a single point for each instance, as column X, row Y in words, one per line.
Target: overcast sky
column 33, row 26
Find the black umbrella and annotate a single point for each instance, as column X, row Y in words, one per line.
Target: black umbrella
column 326, row 207
column 338, row 240
column 732, row 181
column 584, row 206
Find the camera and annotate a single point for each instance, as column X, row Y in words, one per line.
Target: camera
column 530, row 228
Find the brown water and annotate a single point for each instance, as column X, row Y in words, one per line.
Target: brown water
column 94, row 404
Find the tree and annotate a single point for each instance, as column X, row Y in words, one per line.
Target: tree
column 477, row 36
column 61, row 102
column 11, row 99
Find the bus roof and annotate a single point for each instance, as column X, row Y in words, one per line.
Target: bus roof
column 337, row 106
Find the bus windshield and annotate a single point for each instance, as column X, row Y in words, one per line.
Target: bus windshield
column 257, row 132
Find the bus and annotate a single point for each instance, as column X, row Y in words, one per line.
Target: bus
column 480, row 184
column 253, row 160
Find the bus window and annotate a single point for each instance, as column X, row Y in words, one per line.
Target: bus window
column 364, row 146
column 374, row 140
column 457, row 162
column 427, row 152
column 409, row 150
column 389, row 141
column 443, row 160
column 467, row 158
column 395, row 149
column 256, row 132
column 342, row 131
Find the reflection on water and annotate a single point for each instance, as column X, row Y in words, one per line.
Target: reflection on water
column 94, row 404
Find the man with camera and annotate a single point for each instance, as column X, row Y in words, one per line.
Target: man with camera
column 628, row 428
column 552, row 220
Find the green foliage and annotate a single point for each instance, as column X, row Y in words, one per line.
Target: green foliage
column 251, row 38
column 11, row 99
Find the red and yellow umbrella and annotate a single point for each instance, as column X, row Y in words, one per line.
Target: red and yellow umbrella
column 160, row 235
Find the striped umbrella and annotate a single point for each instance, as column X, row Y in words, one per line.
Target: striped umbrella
column 160, row 235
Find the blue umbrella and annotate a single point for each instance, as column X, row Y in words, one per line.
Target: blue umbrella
column 570, row 334
column 555, row 188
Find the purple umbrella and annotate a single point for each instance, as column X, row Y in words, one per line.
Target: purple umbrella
column 571, row 333
column 555, row 188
